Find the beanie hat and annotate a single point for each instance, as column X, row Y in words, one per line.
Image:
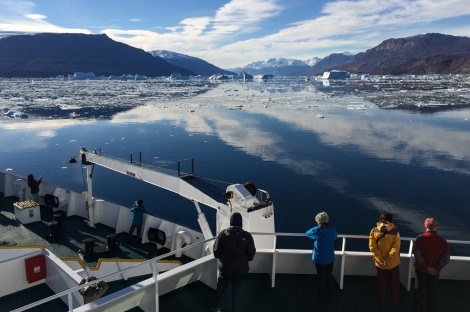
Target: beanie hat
column 322, row 218
column 386, row 216
column 430, row 223
column 236, row 219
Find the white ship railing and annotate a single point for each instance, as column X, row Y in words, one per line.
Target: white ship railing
column 360, row 263
column 146, row 294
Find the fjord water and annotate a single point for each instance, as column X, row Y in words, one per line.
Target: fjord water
column 312, row 149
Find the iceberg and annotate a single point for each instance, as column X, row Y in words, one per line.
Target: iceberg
column 84, row 76
column 336, row 74
column 245, row 76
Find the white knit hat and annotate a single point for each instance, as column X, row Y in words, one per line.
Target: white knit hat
column 322, row 218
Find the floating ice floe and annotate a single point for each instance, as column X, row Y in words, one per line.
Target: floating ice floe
column 356, row 107
column 178, row 76
column 219, row 77
column 15, row 114
column 320, row 116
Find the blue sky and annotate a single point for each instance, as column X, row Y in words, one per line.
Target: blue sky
column 237, row 32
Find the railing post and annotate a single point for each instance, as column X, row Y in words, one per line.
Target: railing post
column 273, row 273
column 410, row 266
column 343, row 261
column 273, row 280
column 155, row 274
column 70, row 301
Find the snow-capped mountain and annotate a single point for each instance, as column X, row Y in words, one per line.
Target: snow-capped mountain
column 280, row 62
column 278, row 67
column 293, row 67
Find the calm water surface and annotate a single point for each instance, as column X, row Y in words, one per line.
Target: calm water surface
column 355, row 162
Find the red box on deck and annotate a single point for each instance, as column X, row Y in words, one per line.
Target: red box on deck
column 35, row 268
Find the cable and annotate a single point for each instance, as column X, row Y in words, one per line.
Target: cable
column 213, row 180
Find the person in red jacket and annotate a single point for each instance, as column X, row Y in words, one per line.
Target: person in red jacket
column 431, row 254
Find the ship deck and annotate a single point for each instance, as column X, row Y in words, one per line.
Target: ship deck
column 291, row 293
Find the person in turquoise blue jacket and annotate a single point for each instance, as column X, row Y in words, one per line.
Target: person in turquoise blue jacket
column 137, row 218
column 323, row 253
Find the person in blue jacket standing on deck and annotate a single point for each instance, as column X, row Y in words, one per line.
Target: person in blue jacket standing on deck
column 137, row 219
column 323, row 253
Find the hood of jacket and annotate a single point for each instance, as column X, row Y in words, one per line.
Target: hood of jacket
column 233, row 230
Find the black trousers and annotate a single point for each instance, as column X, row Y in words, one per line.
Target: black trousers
column 237, row 290
column 325, row 279
column 131, row 231
column 425, row 295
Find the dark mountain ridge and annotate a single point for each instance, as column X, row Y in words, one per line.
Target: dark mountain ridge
column 49, row 55
column 421, row 54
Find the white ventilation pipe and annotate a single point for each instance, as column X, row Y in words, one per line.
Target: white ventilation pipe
column 182, row 238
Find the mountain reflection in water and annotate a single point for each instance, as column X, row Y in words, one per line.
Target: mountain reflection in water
column 355, row 162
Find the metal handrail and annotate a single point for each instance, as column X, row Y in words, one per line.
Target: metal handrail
column 151, row 262
column 22, row 256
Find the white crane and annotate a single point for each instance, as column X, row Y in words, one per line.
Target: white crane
column 254, row 204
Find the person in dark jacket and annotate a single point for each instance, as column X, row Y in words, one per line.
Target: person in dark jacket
column 431, row 255
column 34, row 186
column 234, row 247
column 323, row 253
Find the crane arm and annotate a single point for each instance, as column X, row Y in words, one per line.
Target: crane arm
column 190, row 187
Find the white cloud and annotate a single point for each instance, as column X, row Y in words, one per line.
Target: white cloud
column 220, row 38
column 36, row 17
column 19, row 16
column 342, row 26
column 347, row 25
column 204, row 32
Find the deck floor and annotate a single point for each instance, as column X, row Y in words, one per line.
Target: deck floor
column 298, row 293
column 70, row 237
column 292, row 293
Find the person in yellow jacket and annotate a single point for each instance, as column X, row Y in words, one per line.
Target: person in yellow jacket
column 384, row 243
